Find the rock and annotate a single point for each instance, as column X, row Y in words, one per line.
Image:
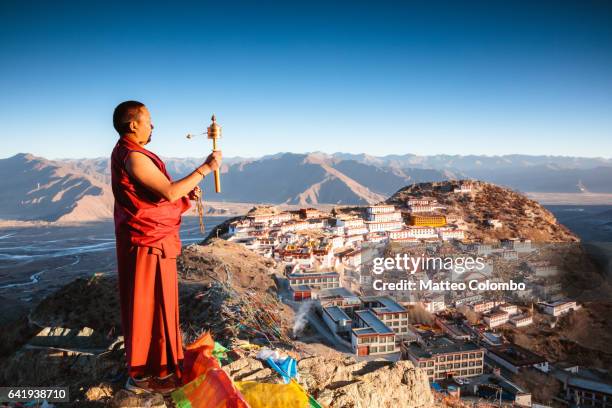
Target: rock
column 250, row 369
column 92, row 303
column 15, row 329
column 127, row 399
column 347, row 383
column 60, row 337
column 84, row 315
column 224, row 261
column 372, row 384
column 99, row 392
column 79, row 370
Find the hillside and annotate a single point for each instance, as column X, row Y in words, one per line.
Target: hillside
column 223, row 288
column 520, row 217
column 33, row 188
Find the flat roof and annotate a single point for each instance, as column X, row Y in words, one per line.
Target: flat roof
column 517, row 355
column 590, row 385
column 557, row 302
column 587, row 379
column 362, row 331
column 432, row 297
column 374, row 322
column 506, row 305
column 388, row 305
column 336, row 313
column 312, row 275
column 441, row 345
column 344, row 252
column 336, row 292
column 495, row 313
column 501, row 381
column 455, row 329
column 301, row 288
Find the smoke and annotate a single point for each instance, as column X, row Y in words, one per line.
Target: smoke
column 417, row 314
column 301, row 318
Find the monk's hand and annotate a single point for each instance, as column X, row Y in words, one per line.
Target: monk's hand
column 213, row 161
column 195, row 194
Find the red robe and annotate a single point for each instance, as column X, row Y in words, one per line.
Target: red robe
column 148, row 242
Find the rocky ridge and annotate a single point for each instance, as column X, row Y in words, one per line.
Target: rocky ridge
column 519, row 216
column 72, row 338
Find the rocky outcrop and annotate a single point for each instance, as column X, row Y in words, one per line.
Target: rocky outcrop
column 518, row 216
column 372, row 384
column 223, row 261
column 223, row 288
column 344, row 382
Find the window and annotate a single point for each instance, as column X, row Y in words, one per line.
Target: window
column 373, row 349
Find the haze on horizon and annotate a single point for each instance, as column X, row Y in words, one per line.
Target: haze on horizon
column 385, row 78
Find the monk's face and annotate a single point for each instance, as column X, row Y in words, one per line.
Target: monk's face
column 142, row 127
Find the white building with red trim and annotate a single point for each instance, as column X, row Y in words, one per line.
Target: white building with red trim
column 413, row 232
column 270, row 219
column 448, row 233
column 495, row 318
column 375, row 226
column 521, row 320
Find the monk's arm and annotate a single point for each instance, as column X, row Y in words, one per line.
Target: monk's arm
column 146, row 173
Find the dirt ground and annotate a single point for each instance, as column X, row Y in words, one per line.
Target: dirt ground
column 582, row 337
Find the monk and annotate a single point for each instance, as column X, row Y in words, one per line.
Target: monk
column 147, row 212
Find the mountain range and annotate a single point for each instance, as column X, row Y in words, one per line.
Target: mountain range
column 35, row 188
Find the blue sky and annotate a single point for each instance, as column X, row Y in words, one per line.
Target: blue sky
column 377, row 77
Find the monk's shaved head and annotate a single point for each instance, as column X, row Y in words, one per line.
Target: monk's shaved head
column 125, row 113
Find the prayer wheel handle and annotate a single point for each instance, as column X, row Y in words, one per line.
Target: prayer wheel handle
column 213, row 132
